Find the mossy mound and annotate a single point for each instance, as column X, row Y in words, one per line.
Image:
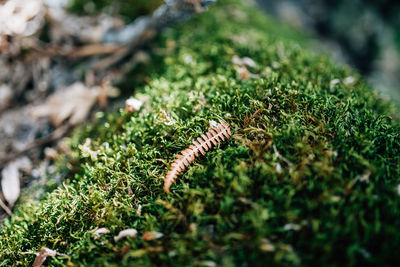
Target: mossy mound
column 309, row 176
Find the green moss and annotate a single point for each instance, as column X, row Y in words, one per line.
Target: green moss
column 309, row 177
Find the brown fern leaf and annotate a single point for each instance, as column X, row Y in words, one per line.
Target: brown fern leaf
column 213, row 137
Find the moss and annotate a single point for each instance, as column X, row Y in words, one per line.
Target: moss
column 309, row 177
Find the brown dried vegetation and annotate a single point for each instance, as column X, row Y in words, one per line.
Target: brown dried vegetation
column 213, row 137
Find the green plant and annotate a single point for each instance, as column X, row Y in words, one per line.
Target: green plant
column 310, row 176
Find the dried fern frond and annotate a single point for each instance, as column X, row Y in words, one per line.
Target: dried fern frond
column 213, row 137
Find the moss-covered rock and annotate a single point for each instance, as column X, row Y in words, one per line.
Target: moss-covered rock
column 309, row 177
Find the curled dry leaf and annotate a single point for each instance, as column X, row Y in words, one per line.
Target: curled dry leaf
column 148, row 236
column 126, row 233
column 10, row 183
column 100, row 231
column 42, row 256
column 73, row 103
column 19, row 17
column 132, row 104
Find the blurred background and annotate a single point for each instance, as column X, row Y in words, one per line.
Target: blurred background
column 362, row 33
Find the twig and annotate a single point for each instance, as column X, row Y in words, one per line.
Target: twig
column 145, row 28
column 94, row 50
column 174, row 11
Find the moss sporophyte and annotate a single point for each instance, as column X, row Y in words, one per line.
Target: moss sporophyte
column 309, row 177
